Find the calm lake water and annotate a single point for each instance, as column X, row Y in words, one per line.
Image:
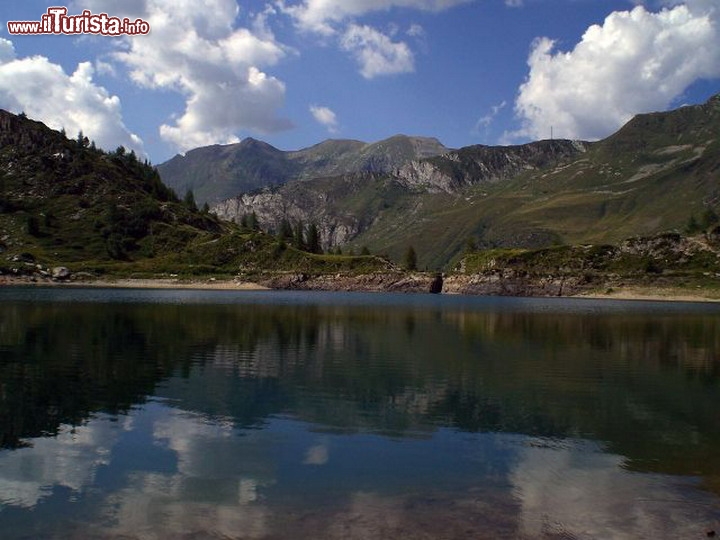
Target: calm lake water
column 268, row 415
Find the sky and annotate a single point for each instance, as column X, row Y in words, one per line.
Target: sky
column 296, row 72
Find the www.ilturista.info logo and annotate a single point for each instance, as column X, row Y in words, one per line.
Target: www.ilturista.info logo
column 57, row 21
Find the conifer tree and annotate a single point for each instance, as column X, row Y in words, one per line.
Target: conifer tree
column 189, row 200
column 313, row 239
column 285, row 231
column 410, row 259
column 299, row 236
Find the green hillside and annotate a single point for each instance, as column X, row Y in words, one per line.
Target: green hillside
column 656, row 174
column 64, row 202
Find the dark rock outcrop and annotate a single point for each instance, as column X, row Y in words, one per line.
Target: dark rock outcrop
column 510, row 284
column 377, row 282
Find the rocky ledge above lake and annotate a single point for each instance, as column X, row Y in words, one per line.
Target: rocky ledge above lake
column 414, row 282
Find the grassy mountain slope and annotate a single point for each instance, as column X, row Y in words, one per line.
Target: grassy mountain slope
column 216, row 173
column 63, row 202
column 651, row 176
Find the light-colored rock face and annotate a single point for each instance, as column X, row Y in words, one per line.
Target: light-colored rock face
column 474, row 165
column 426, row 176
column 271, row 207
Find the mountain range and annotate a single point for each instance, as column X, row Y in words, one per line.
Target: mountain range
column 657, row 173
column 215, row 173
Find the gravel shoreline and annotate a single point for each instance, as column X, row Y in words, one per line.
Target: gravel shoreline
column 139, row 283
column 668, row 294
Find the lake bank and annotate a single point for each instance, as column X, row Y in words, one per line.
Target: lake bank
column 669, row 294
column 138, row 283
column 415, row 283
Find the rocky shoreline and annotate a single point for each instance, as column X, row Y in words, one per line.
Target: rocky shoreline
column 480, row 284
column 375, row 282
column 494, row 284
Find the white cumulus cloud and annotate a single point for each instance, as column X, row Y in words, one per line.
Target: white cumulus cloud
column 196, row 50
column 44, row 91
column 636, row 61
column 7, row 51
column 321, row 15
column 376, row 53
column 325, row 116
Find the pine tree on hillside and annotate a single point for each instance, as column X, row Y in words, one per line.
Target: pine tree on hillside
column 313, row 239
column 252, row 222
column 410, row 259
column 285, row 231
column 189, row 200
column 299, row 236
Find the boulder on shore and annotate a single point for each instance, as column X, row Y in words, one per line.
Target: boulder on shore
column 61, row 273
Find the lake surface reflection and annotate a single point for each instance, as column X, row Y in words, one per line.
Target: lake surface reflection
column 215, row 414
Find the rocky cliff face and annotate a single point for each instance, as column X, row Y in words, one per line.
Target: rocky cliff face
column 272, row 206
column 322, row 201
column 484, row 164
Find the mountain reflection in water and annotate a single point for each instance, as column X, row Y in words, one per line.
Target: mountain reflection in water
column 262, row 415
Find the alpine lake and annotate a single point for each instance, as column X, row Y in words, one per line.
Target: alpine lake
column 164, row 414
